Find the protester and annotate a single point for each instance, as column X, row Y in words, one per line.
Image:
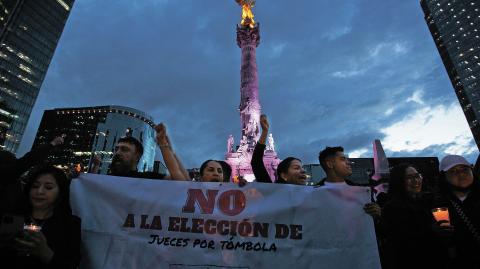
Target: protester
column 407, row 222
column 227, row 171
column 337, row 167
column 12, row 168
column 46, row 206
column 289, row 170
column 211, row 171
column 129, row 151
column 460, row 192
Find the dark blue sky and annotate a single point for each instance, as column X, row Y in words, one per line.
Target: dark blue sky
column 330, row 73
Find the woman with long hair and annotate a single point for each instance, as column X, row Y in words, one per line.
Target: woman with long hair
column 211, row 171
column 407, row 221
column 51, row 237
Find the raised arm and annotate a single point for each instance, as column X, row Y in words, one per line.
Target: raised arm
column 179, row 163
column 265, row 127
column 172, row 163
column 258, row 167
column 38, row 155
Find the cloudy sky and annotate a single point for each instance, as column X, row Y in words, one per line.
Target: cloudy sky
column 330, row 72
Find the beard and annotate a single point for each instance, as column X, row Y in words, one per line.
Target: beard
column 119, row 166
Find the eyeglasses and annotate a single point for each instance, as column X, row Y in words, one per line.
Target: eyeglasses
column 459, row 170
column 414, row 177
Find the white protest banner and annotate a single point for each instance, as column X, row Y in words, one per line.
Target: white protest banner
column 139, row 223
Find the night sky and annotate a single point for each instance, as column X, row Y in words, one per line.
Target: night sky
column 330, row 73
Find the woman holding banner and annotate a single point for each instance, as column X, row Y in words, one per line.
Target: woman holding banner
column 211, row 171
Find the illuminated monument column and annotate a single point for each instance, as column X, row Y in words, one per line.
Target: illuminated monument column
column 248, row 38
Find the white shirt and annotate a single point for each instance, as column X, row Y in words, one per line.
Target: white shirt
column 335, row 185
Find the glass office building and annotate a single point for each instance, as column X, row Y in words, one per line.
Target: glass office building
column 94, row 131
column 29, row 33
column 454, row 25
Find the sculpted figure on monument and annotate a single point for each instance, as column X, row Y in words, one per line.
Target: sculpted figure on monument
column 243, row 144
column 249, row 128
column 230, row 143
column 255, row 128
column 244, row 140
column 271, row 143
column 247, row 107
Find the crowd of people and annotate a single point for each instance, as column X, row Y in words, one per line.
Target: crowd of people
column 35, row 197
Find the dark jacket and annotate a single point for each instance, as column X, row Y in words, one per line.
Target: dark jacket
column 411, row 242
column 63, row 234
column 466, row 248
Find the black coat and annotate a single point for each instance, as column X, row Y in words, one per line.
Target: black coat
column 410, row 239
column 63, row 235
column 466, row 248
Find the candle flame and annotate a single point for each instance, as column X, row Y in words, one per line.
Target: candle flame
column 32, row 227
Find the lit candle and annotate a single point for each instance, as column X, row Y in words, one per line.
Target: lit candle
column 32, row 227
column 441, row 214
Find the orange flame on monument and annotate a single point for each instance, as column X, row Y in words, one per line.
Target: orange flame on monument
column 247, row 15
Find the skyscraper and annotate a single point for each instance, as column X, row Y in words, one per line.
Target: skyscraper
column 94, row 131
column 29, row 33
column 454, row 25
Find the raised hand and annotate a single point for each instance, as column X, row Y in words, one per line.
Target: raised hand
column 265, row 126
column 174, row 166
column 264, row 122
column 162, row 138
column 242, row 181
column 373, row 209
